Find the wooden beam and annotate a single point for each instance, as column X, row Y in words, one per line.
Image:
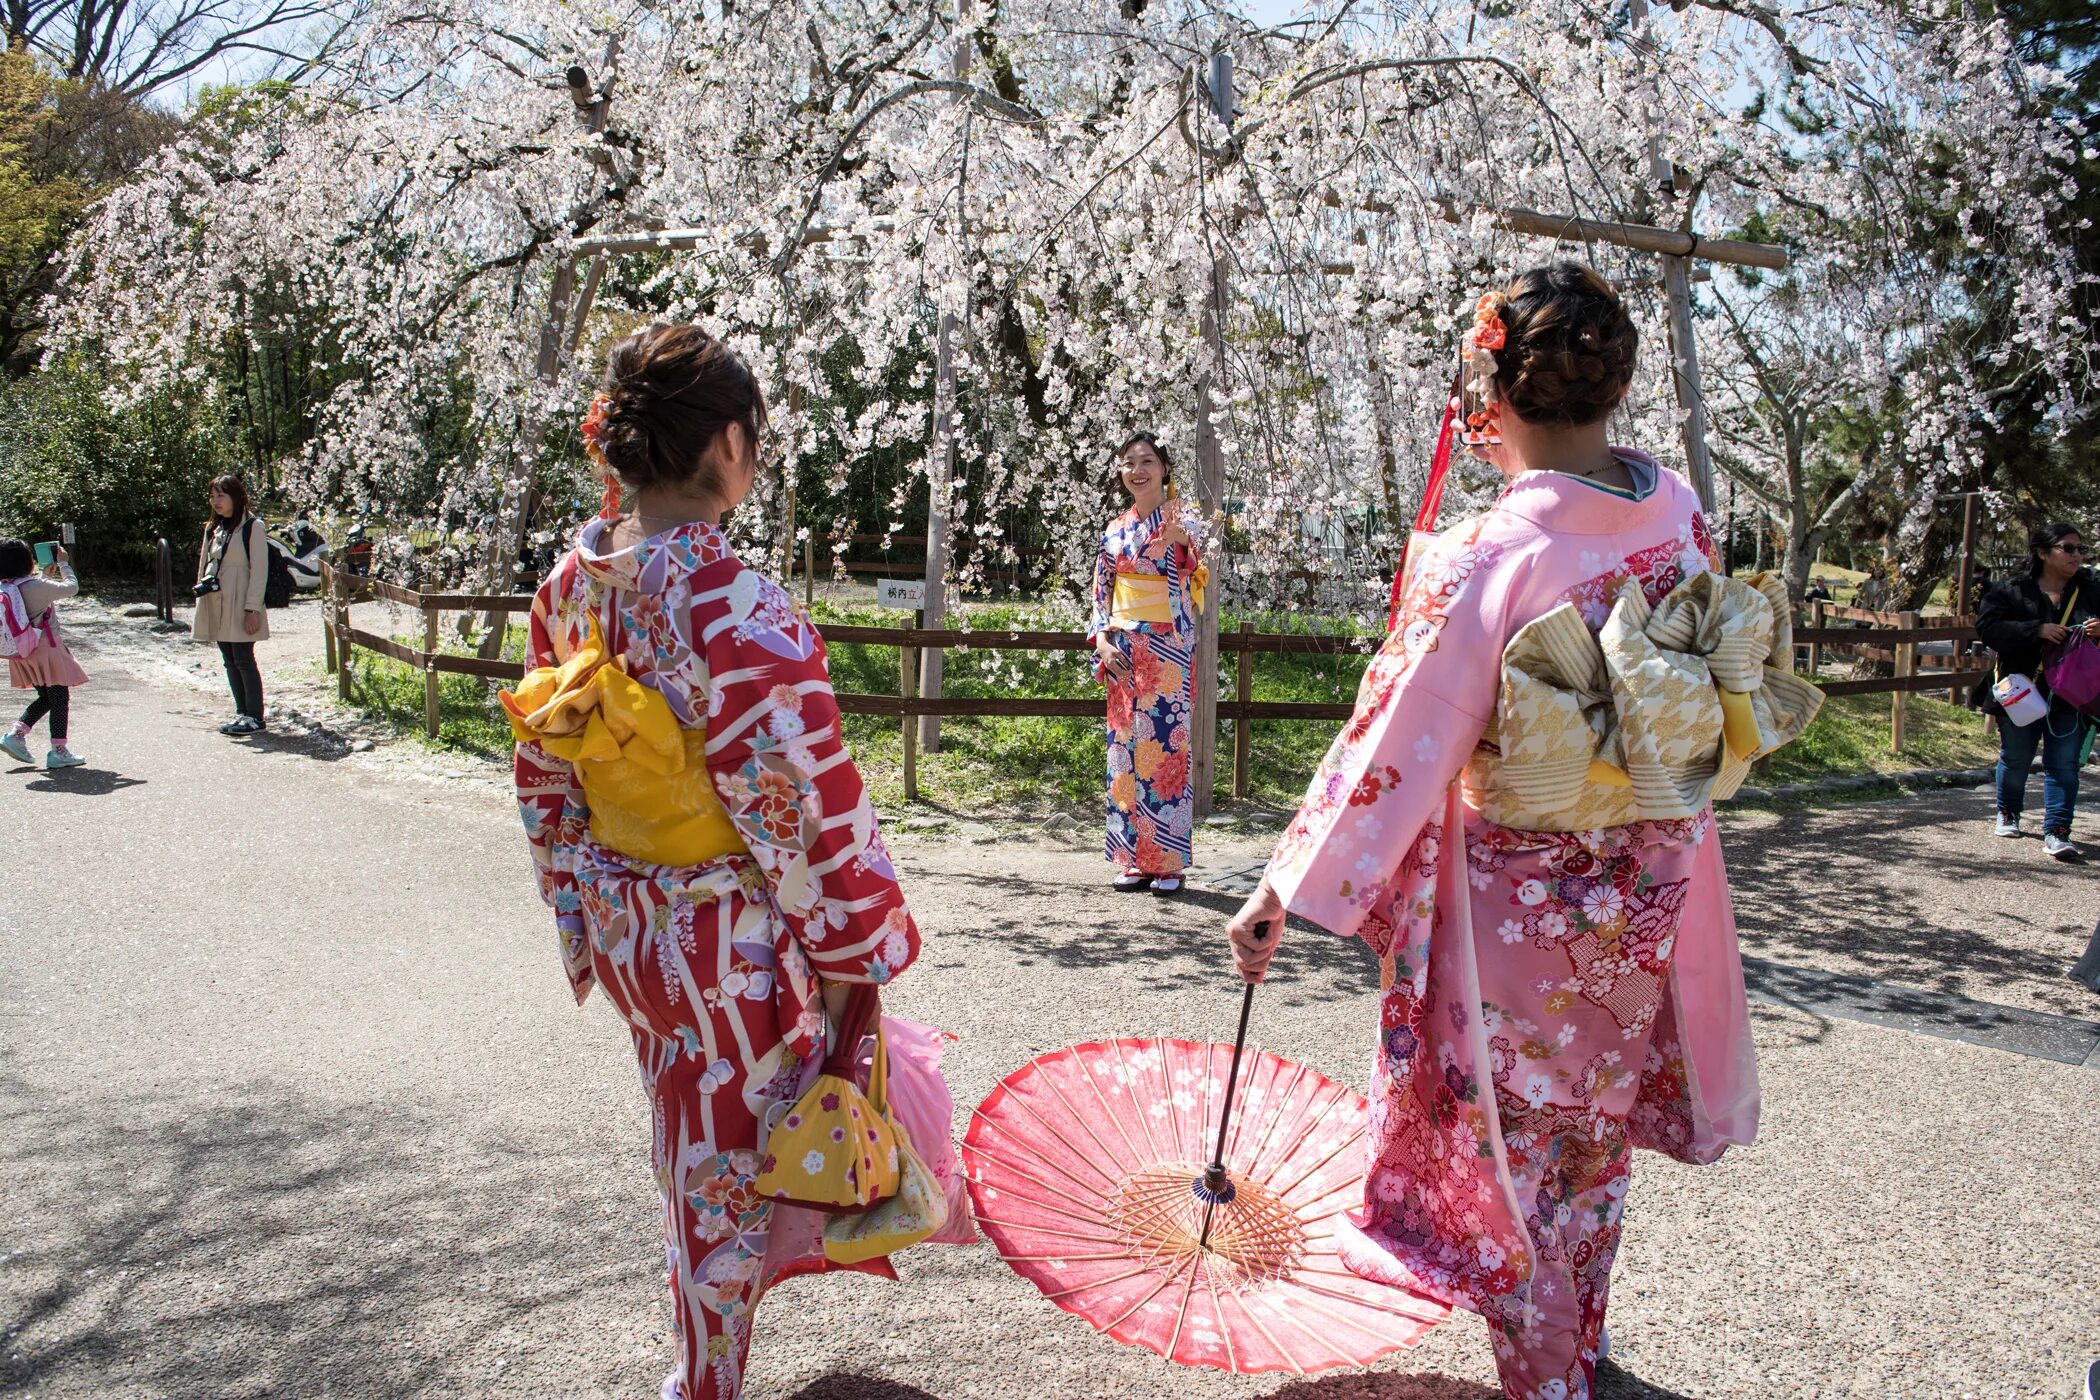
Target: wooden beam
column 1641, row 237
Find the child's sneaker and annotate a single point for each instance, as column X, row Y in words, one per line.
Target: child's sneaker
column 16, row 747
column 62, row 757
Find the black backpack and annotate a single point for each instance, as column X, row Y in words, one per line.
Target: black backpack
column 277, row 589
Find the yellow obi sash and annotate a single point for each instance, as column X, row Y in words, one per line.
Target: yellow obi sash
column 644, row 776
column 1142, row 598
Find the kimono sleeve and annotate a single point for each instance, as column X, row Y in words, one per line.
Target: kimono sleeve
column 782, row 771
column 1104, row 592
column 1423, row 705
column 550, row 799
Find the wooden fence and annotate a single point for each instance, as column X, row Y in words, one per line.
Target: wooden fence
column 1894, row 636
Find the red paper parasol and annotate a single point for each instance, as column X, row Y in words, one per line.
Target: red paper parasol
column 1087, row 1169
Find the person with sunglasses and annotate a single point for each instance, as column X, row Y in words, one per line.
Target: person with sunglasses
column 2022, row 620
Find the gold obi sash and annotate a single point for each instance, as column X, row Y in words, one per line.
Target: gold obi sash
column 1658, row 714
column 645, row 778
column 1142, row 598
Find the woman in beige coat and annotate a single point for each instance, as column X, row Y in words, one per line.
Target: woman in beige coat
column 233, row 569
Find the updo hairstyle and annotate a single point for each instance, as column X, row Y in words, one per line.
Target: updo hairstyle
column 669, row 392
column 1569, row 354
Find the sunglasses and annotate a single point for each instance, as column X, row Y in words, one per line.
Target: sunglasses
column 2072, row 548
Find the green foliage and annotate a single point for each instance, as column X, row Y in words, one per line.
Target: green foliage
column 1850, row 738
column 123, row 479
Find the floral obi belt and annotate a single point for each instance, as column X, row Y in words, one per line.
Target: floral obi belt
column 645, row 778
column 1659, row 713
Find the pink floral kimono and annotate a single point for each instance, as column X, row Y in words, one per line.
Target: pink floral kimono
column 716, row 966
column 1550, row 1000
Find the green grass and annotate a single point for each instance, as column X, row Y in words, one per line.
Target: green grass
column 1028, row 767
column 469, row 719
column 1850, row 738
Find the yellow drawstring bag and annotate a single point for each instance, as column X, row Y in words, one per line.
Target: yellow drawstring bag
column 919, row 1208
column 837, row 1150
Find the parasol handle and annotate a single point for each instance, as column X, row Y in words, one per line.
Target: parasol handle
column 1216, row 1187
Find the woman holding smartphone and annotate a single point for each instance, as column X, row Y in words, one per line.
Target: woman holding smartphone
column 233, row 569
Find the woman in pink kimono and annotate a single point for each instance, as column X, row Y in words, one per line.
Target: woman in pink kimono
column 1519, row 825
column 703, row 837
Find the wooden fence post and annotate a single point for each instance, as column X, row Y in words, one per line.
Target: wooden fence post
column 908, row 688
column 1906, row 667
column 1242, row 739
column 1815, row 649
column 328, row 586
column 809, row 574
column 430, row 671
column 342, row 639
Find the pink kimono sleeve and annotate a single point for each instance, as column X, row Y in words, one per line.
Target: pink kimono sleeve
column 782, row 771
column 550, row 799
column 1422, row 707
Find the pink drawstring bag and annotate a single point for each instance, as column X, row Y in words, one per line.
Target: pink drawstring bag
column 920, row 1103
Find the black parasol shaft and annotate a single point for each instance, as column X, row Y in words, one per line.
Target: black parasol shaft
column 1216, row 1186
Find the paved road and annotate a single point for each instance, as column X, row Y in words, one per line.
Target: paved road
column 292, row 1102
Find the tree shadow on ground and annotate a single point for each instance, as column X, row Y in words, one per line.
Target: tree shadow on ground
column 1614, row 1382
column 1159, row 944
column 1832, row 884
column 275, row 1244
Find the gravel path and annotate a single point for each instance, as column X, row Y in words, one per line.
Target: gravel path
column 292, row 1102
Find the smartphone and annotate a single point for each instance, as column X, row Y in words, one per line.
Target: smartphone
column 46, row 552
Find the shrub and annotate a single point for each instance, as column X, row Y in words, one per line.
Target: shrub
column 122, row 478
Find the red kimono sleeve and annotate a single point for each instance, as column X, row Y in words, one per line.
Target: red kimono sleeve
column 550, row 799
column 782, row 771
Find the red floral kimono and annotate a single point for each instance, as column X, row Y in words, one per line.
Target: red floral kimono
column 716, row 966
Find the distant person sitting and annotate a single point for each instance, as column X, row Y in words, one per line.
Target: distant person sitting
column 1818, row 591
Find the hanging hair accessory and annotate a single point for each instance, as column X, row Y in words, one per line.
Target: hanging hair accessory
column 593, row 431
column 1477, row 350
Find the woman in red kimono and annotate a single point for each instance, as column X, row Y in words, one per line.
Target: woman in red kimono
column 1560, row 980
column 701, row 834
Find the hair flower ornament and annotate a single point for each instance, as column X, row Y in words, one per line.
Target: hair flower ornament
column 593, row 431
column 1483, row 338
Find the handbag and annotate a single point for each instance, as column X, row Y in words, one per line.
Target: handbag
column 2073, row 670
column 837, row 1150
column 917, row 1208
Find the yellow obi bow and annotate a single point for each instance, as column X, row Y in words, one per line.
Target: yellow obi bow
column 1145, row 597
column 1659, row 713
column 644, row 776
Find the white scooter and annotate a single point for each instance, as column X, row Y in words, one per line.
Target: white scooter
column 302, row 547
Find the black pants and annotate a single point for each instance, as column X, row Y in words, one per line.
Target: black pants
column 243, row 678
column 55, row 701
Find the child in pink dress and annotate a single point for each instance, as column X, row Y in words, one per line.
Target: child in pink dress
column 49, row 669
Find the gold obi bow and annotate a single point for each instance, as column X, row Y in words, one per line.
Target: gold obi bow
column 1658, row 714
column 644, row 776
column 1145, row 598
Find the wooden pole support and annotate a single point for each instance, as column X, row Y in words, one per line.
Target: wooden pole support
column 342, row 639
column 327, row 614
column 430, row 672
column 1906, row 666
column 809, row 573
column 1815, row 649
column 908, row 687
column 1242, row 737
